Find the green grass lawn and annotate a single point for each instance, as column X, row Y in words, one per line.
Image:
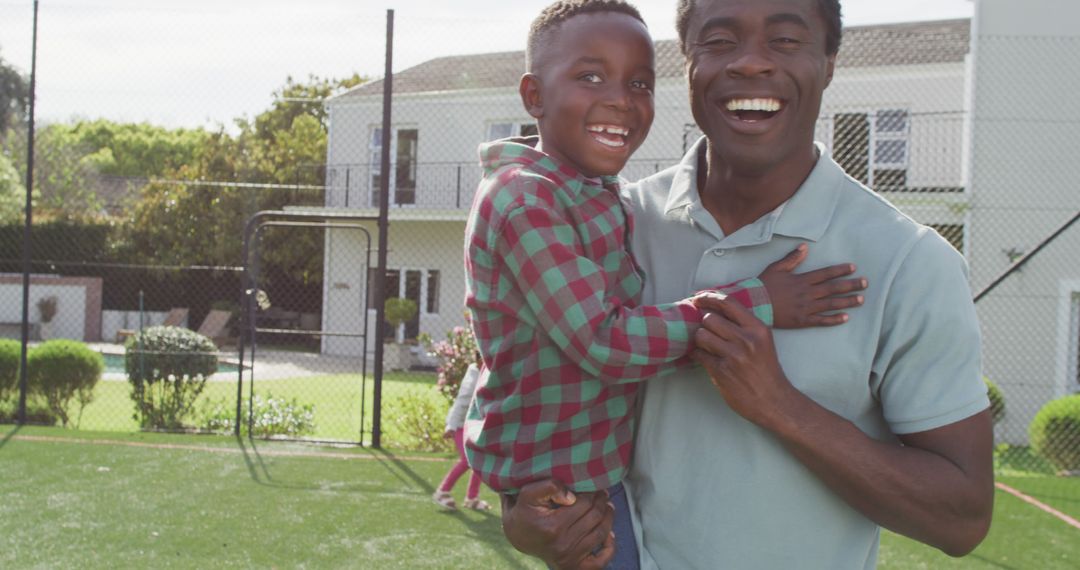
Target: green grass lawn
column 216, row 502
column 80, row 505
column 336, row 399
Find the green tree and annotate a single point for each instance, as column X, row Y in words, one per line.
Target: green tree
column 14, row 96
column 204, row 223
column 12, row 193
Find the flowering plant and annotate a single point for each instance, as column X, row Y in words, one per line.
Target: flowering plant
column 455, row 354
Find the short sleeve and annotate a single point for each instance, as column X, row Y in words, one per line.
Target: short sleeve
column 927, row 370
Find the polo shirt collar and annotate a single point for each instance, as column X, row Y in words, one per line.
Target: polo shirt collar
column 806, row 215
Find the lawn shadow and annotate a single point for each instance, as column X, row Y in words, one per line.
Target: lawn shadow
column 251, row 465
column 989, row 562
column 488, row 529
column 9, row 435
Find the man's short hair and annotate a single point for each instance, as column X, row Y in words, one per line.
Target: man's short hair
column 830, row 12
column 555, row 14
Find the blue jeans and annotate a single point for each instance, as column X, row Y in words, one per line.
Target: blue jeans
column 626, row 550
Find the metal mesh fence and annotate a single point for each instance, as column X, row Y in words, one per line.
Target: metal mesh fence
column 974, row 141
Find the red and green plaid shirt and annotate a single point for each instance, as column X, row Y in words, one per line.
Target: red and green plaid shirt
column 554, row 292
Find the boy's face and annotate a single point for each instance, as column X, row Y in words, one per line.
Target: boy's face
column 592, row 91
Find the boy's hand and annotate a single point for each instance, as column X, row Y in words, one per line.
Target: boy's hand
column 799, row 300
column 448, row 434
column 549, row 521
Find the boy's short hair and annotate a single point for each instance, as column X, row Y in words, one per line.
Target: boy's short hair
column 830, row 12
column 558, row 12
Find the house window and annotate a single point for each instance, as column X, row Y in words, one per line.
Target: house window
column 498, row 131
column 953, row 233
column 419, row 285
column 403, row 152
column 433, row 292
column 873, row 147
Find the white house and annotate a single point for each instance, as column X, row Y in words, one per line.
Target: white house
column 899, row 115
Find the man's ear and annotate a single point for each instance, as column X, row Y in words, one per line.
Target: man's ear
column 830, row 66
column 529, row 89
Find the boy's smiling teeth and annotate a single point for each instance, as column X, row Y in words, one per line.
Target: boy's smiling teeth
column 760, row 104
column 609, row 135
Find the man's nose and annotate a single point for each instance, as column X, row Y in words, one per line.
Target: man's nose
column 751, row 61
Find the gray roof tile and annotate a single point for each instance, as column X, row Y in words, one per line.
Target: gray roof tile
column 909, row 43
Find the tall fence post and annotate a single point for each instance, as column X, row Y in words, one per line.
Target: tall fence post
column 384, row 226
column 26, row 245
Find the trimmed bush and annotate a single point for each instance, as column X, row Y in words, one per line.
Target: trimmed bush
column 997, row 400
column 273, row 417
column 1054, row 433
column 37, row 413
column 398, row 311
column 415, row 422
column 168, row 368
column 10, row 354
column 62, row 370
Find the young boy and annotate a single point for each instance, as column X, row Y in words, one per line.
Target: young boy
column 551, row 284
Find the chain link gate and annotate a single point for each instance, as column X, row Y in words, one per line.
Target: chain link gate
column 327, row 395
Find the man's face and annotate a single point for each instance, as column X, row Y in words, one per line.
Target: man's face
column 757, row 69
column 593, row 91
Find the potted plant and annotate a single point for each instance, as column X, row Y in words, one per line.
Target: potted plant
column 397, row 356
column 47, row 307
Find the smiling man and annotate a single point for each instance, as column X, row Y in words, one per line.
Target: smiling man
column 789, row 449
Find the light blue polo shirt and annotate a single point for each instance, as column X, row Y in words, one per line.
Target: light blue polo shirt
column 713, row 490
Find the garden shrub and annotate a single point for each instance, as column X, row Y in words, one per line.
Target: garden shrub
column 273, row 417
column 997, row 400
column 168, row 368
column 415, row 421
column 62, row 370
column 37, row 413
column 1054, row 433
column 455, row 354
column 10, row 354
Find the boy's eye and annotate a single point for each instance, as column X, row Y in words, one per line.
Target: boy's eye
column 641, row 84
column 590, row 77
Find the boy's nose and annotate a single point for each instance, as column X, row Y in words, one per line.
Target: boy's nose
column 618, row 97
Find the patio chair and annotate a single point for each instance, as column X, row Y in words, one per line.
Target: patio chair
column 215, row 327
column 176, row 317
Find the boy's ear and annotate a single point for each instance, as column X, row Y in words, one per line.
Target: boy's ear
column 529, row 89
column 830, row 66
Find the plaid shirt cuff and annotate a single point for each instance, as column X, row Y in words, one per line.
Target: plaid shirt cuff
column 749, row 293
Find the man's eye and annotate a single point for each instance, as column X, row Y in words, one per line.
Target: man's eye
column 717, row 42
column 787, row 41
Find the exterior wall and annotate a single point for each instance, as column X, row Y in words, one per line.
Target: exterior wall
column 449, row 130
column 78, row 314
column 423, row 245
column 1024, row 176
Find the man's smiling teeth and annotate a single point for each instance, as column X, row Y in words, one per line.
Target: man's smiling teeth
column 768, row 105
column 610, row 135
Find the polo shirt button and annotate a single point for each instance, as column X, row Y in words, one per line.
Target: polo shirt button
column 719, row 252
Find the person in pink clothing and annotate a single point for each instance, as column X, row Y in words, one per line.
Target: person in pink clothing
column 455, row 421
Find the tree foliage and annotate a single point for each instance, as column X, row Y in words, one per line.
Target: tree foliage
column 14, row 96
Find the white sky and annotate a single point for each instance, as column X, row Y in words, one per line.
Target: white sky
column 203, row 62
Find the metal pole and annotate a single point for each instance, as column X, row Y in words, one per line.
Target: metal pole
column 384, row 226
column 1023, row 260
column 24, row 384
